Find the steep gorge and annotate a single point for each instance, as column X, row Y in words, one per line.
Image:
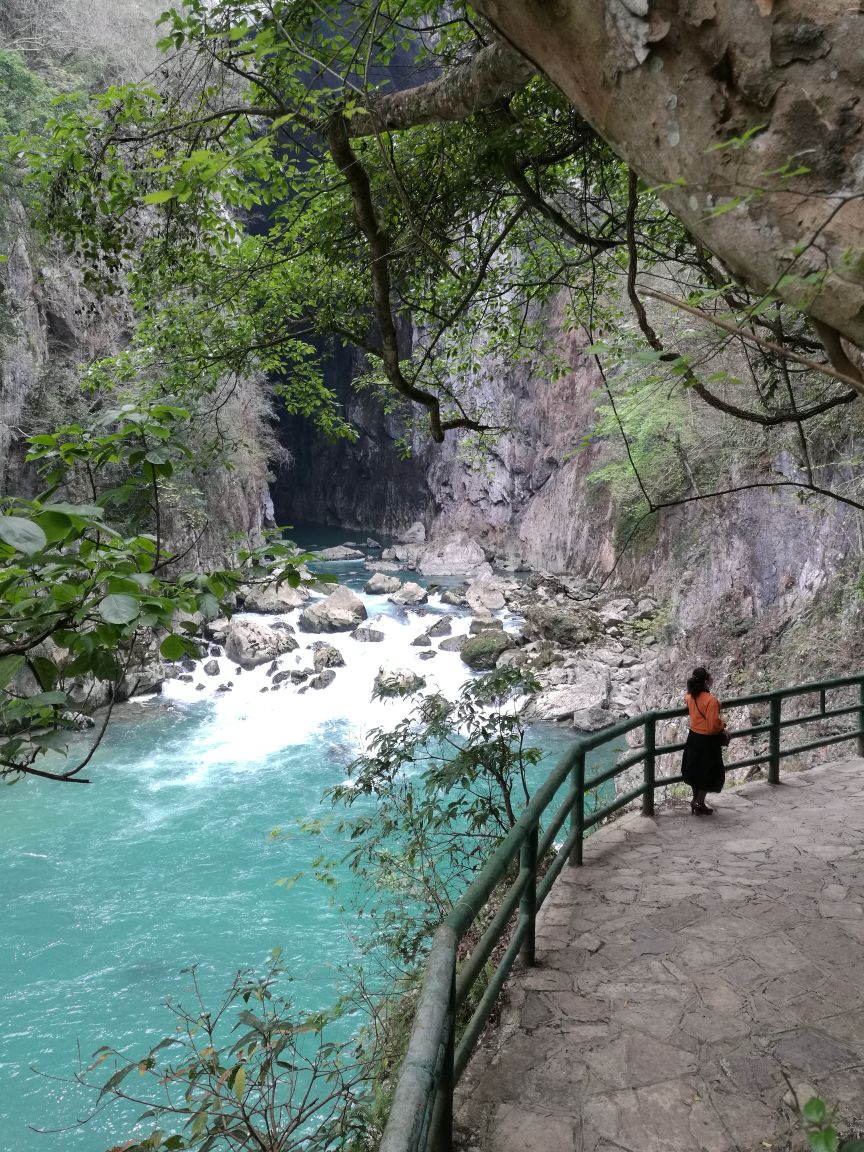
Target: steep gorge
column 540, row 497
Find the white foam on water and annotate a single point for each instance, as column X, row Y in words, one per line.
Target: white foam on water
column 248, row 724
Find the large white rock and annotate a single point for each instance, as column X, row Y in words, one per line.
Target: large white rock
column 409, row 593
column 454, row 555
column 405, row 555
column 589, row 691
column 487, row 592
column 272, row 600
column 339, row 552
column 397, row 681
column 250, row 643
column 340, row 612
column 381, row 584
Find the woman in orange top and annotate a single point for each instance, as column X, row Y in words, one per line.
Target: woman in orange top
column 702, row 767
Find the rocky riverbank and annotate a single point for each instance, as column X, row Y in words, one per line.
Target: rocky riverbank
column 593, row 656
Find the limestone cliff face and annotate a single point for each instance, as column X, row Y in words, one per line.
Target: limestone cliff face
column 531, row 500
column 50, row 329
column 23, row 350
column 361, row 485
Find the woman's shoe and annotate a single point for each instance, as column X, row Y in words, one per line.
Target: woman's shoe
column 704, row 810
column 696, row 809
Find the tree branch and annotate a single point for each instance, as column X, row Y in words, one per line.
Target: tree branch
column 515, row 173
column 766, row 419
column 379, row 250
column 855, row 382
column 492, row 73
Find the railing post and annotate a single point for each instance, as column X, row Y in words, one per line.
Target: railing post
column 577, row 817
column 528, row 902
column 861, row 718
column 649, row 764
column 441, row 1136
column 774, row 741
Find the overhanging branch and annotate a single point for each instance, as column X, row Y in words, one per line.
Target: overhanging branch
column 493, row 72
column 379, row 251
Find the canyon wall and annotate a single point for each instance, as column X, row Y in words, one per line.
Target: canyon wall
column 535, row 499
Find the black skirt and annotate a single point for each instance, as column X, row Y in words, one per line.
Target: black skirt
column 702, row 763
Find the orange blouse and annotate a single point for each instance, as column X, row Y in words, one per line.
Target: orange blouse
column 704, row 714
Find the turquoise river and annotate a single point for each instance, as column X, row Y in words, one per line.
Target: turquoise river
column 166, row 860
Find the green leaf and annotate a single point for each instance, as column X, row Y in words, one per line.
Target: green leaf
column 55, row 525
column 75, row 509
column 47, row 672
column 10, row 666
column 240, row 1082
column 822, row 1140
column 119, row 609
column 199, row 1123
column 104, row 665
column 814, row 1111
column 54, row 741
column 173, row 647
column 160, row 197
column 115, row 1080
column 47, row 698
column 22, row 535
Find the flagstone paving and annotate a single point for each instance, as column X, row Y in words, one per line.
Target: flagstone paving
column 688, row 969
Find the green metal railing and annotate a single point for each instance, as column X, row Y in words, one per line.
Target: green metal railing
column 421, row 1117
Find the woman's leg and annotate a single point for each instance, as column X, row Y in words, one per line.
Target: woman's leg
column 700, row 802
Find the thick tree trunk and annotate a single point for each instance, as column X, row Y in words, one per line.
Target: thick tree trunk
column 667, row 81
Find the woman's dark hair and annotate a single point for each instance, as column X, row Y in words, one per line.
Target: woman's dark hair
column 698, row 681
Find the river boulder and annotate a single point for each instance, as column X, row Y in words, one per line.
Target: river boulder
column 367, row 635
column 486, row 593
column 453, row 644
column 586, row 693
column 455, row 555
column 211, row 668
column 405, row 555
column 250, row 643
column 441, row 627
column 397, row 682
column 481, row 652
column 492, row 624
column 593, row 719
column 216, row 629
column 455, row 596
column 570, row 627
column 381, row 584
column 326, row 656
column 339, row 552
column 323, row 680
column 409, row 594
column 340, row 612
column 272, row 599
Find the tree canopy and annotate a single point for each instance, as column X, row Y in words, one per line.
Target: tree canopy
column 397, row 177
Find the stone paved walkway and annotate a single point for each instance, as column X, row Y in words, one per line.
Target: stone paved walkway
column 686, row 967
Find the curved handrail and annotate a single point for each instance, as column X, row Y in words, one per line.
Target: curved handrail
column 421, row 1113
